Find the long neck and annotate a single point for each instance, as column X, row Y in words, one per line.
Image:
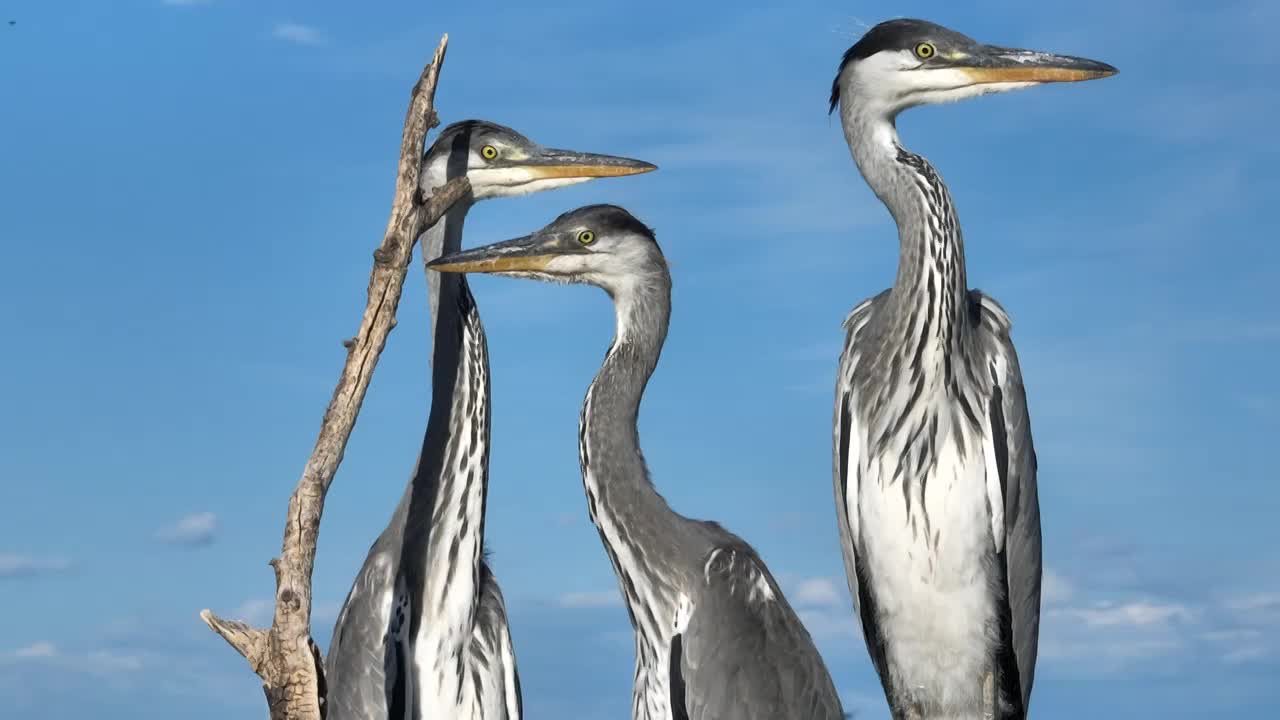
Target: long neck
column 640, row 531
column 444, row 534
column 931, row 268
column 442, row 238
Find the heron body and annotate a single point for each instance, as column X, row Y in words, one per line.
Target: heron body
column 424, row 632
column 714, row 635
column 935, row 469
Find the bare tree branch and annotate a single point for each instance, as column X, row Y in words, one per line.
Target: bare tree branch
column 249, row 642
column 285, row 657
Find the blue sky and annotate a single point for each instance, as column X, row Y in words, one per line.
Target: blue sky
column 190, row 191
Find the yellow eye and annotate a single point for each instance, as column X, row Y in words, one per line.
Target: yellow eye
column 924, row 51
column 489, row 152
column 586, row 237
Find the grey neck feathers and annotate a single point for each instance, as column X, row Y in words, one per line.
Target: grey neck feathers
column 930, row 293
column 640, row 531
column 612, row 406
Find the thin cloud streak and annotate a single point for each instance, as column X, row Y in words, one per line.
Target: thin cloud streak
column 1132, row 614
column 820, row 592
column 195, row 530
column 299, row 34
column 37, row 650
column 27, row 566
column 96, row 662
column 1111, row 635
column 256, row 611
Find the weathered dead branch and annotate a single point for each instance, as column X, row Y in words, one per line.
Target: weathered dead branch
column 284, row 655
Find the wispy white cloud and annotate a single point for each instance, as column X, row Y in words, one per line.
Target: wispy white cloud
column 1079, row 628
column 256, row 611
column 193, row 530
column 145, row 653
column 820, row 591
column 1138, row 614
column 106, row 661
column 298, row 33
column 826, row 624
column 1251, row 629
column 37, row 650
column 1240, row 645
column 1106, row 635
column 1054, row 588
column 13, row 565
column 97, row 662
column 1262, row 607
column 824, row 607
column 598, row 599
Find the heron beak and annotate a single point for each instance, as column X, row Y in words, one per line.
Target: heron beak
column 554, row 164
column 1010, row 65
column 528, row 254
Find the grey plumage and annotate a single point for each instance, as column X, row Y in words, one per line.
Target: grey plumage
column 747, row 655
column 715, row 637
column 423, row 632
column 935, row 470
column 354, row 665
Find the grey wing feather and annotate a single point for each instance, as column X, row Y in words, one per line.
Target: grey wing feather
column 845, row 466
column 354, row 672
column 744, row 654
column 493, row 660
column 1021, row 497
column 847, row 447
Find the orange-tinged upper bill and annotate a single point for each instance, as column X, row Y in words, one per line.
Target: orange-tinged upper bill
column 992, row 64
column 587, row 171
column 1033, row 73
column 493, row 264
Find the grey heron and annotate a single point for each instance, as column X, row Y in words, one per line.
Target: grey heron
column 715, row 638
column 935, row 472
column 425, row 585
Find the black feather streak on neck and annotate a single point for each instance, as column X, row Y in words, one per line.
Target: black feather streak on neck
column 931, row 284
column 434, row 482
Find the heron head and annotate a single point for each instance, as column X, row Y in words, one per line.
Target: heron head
column 902, row 63
column 501, row 162
column 602, row 245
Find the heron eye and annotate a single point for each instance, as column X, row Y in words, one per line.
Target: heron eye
column 924, row 51
column 489, row 152
column 586, row 237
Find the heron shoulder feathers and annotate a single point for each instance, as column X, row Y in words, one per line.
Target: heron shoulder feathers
column 861, row 313
column 743, row 652
column 991, row 313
